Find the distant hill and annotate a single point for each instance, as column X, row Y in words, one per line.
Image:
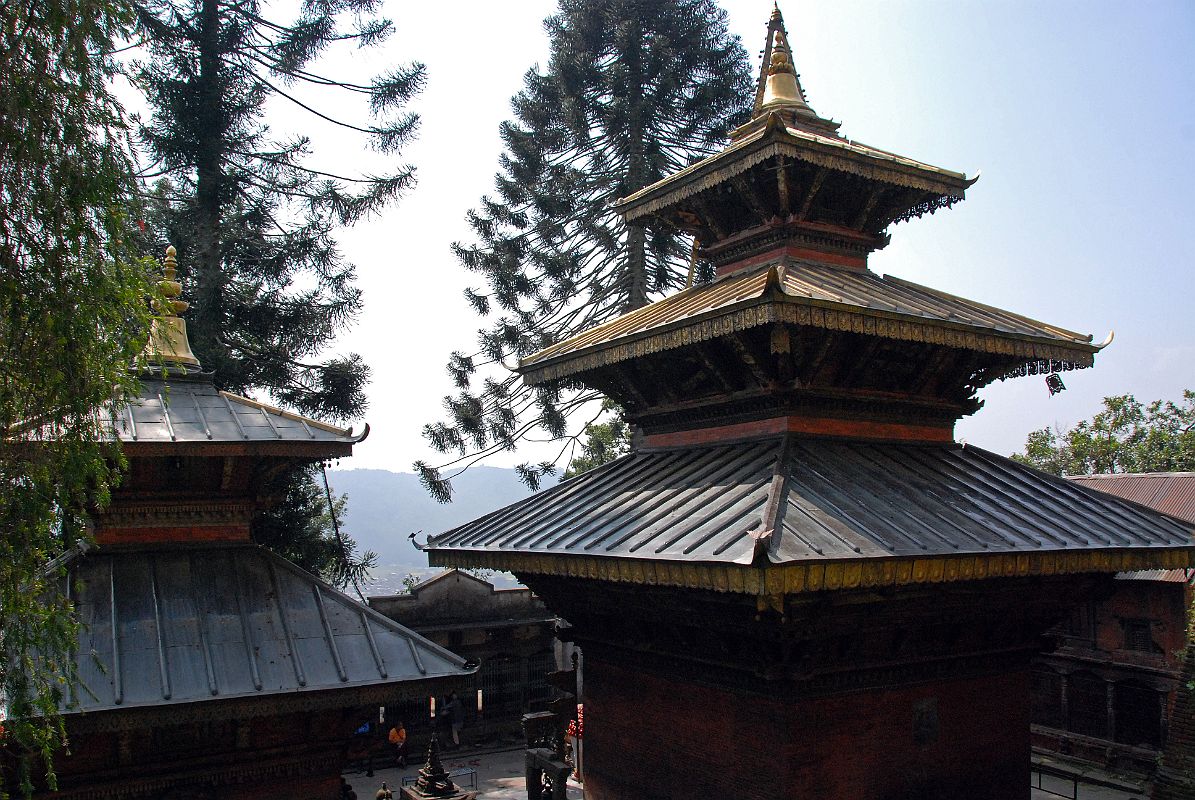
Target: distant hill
column 384, row 507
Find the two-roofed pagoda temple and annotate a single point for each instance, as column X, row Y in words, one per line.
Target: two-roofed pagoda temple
column 798, row 584
column 210, row 668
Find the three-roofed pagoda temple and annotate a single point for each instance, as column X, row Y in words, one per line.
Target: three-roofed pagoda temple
column 208, row 667
column 798, row 584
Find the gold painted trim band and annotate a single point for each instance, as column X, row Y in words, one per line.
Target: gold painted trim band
column 830, row 575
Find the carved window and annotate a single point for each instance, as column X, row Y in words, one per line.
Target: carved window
column 1087, row 703
column 1080, row 624
column 539, row 691
column 1138, row 636
column 503, row 683
column 1138, row 716
column 1046, row 698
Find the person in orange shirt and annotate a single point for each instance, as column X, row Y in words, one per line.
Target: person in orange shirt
column 398, row 742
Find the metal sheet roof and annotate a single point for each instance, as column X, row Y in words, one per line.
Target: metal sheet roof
column 1169, row 492
column 806, row 283
column 178, row 626
column 195, row 411
column 793, row 500
column 1160, row 575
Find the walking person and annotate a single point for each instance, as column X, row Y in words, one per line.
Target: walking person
column 455, row 711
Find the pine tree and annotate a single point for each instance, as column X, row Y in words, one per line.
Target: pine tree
column 73, row 317
column 253, row 221
column 633, row 91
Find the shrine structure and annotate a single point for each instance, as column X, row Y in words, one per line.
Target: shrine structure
column 210, row 668
column 797, row 584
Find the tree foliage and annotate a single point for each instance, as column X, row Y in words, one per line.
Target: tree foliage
column 304, row 527
column 1126, row 436
column 253, row 220
column 601, row 442
column 632, row 92
column 73, row 317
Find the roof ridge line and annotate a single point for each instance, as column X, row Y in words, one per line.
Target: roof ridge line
column 1085, row 338
column 291, row 415
column 767, row 539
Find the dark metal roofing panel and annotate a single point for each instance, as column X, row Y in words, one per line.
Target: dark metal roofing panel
column 177, row 626
column 837, row 501
column 1169, row 492
column 853, row 288
column 195, row 411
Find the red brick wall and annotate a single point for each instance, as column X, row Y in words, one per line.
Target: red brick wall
column 647, row 736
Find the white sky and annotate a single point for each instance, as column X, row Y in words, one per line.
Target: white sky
column 1079, row 115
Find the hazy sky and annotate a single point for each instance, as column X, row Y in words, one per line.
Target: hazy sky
column 1079, row 115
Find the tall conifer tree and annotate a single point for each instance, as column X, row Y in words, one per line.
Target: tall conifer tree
column 634, row 90
column 253, row 220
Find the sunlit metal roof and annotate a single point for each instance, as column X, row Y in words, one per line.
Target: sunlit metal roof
column 196, row 411
column 797, row 500
column 825, row 296
column 179, row 625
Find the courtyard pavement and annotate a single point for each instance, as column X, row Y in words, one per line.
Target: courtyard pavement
column 500, row 775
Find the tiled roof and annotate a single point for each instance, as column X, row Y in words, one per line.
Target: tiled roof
column 795, row 500
column 823, row 290
column 178, row 626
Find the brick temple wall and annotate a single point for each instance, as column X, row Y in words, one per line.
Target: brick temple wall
column 953, row 739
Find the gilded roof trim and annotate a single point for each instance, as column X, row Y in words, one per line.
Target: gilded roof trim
column 1041, row 354
column 813, row 577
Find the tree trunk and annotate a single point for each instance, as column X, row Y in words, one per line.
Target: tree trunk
column 207, row 261
column 636, row 171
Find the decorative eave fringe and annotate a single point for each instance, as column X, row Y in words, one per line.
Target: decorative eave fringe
column 783, row 579
column 1040, row 357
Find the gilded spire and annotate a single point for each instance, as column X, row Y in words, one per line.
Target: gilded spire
column 168, row 344
column 778, row 93
column 780, row 87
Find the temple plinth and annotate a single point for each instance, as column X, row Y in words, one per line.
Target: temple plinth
column 797, row 584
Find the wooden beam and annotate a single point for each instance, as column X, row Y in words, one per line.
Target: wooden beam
column 782, row 186
column 859, row 363
column 707, row 215
column 814, row 187
column 932, row 370
column 627, row 382
column 868, row 207
column 743, row 350
column 819, row 357
column 752, row 197
column 711, row 366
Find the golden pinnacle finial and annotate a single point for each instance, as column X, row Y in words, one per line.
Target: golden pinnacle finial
column 781, row 89
column 776, row 17
column 171, row 287
column 780, row 60
column 168, row 343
